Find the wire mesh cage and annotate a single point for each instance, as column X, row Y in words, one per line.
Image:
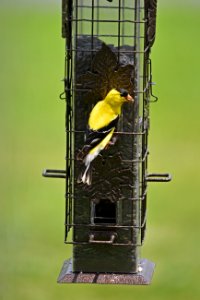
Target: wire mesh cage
column 108, row 45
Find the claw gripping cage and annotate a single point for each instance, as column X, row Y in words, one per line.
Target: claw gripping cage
column 108, row 45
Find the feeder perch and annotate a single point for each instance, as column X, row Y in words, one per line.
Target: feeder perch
column 108, row 45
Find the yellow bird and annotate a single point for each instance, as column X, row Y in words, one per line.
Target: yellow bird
column 102, row 124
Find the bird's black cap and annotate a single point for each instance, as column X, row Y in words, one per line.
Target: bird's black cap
column 123, row 92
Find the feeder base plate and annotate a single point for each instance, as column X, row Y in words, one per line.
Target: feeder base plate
column 142, row 277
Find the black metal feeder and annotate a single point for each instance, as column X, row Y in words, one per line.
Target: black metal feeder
column 108, row 45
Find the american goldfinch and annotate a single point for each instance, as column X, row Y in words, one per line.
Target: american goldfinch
column 102, row 124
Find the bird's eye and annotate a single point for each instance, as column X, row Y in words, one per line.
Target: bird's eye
column 123, row 93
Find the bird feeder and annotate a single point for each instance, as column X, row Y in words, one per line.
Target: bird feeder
column 108, row 45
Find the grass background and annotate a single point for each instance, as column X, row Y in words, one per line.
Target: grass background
column 32, row 138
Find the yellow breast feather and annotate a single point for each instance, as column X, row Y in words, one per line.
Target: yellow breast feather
column 101, row 115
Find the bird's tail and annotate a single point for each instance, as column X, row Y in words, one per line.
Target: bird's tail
column 85, row 176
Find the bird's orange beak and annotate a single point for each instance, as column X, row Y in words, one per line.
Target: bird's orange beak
column 129, row 98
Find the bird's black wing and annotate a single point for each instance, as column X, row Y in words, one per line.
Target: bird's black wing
column 94, row 137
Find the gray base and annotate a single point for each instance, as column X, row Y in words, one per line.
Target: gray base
column 142, row 277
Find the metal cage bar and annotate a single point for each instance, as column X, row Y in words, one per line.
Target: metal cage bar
column 69, row 112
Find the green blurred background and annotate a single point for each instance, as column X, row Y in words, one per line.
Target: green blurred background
column 32, row 138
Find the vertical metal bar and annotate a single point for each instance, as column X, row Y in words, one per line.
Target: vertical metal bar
column 81, row 16
column 144, row 149
column 68, row 83
column 136, row 125
column 123, row 14
column 97, row 23
column 92, row 30
column 76, row 23
column 145, row 128
column 119, row 28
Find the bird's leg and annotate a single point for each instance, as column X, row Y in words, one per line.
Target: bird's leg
column 111, row 142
